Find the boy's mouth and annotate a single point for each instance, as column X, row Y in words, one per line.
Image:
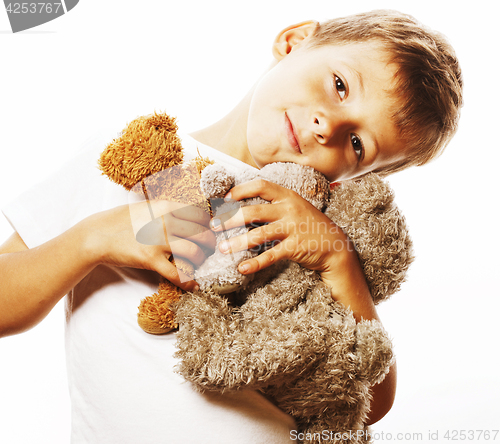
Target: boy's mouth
column 291, row 136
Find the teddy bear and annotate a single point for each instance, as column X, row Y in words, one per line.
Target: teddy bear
column 147, row 159
column 220, row 271
column 281, row 333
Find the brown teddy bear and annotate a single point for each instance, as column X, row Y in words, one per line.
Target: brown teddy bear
column 281, row 333
column 147, row 159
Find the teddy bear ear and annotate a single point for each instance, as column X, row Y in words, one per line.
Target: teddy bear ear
column 147, row 145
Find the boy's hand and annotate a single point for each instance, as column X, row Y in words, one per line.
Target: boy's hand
column 297, row 230
column 112, row 237
column 303, row 234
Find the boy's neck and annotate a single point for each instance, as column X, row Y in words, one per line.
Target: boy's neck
column 229, row 134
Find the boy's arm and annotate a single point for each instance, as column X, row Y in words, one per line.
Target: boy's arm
column 33, row 280
column 383, row 395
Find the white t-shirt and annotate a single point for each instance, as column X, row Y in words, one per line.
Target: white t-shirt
column 122, row 385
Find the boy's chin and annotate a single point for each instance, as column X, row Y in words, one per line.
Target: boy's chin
column 261, row 161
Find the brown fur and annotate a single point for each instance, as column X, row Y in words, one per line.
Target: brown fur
column 146, row 146
column 147, row 157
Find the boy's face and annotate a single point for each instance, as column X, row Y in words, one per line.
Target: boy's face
column 327, row 107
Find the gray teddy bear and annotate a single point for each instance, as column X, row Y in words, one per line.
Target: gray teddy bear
column 220, row 271
column 282, row 333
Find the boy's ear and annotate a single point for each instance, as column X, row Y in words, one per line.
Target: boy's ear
column 292, row 36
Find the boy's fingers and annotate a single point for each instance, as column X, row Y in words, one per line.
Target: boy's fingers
column 188, row 230
column 251, row 215
column 176, row 276
column 225, row 221
column 161, row 230
column 263, row 260
column 193, row 214
column 186, row 249
column 258, row 188
column 253, row 238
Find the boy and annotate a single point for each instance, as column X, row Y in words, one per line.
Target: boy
column 373, row 92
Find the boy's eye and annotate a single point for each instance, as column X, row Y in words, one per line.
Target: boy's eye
column 340, row 87
column 357, row 145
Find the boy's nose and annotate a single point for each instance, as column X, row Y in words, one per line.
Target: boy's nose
column 330, row 127
column 325, row 128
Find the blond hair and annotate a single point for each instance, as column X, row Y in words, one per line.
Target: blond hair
column 428, row 78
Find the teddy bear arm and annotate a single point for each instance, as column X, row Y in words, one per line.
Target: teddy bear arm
column 374, row 351
column 220, row 351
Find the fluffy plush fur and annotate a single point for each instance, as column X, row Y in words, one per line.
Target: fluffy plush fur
column 283, row 333
column 146, row 146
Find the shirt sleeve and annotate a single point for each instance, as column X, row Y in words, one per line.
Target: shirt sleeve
column 73, row 193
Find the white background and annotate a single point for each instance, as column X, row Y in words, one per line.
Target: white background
column 106, row 62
